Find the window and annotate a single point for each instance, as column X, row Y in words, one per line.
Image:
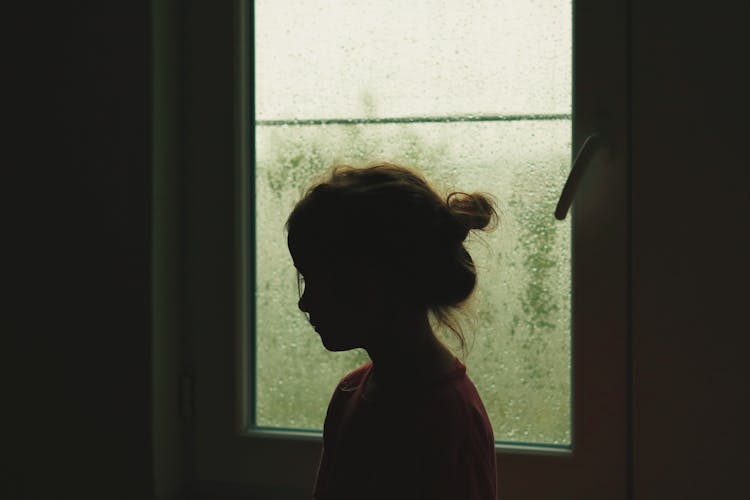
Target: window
column 217, row 109
column 486, row 108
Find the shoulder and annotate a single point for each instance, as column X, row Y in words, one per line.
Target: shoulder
column 457, row 411
column 354, row 378
column 344, row 397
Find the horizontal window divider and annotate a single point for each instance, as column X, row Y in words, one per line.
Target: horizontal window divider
column 412, row 119
column 511, row 447
column 284, row 433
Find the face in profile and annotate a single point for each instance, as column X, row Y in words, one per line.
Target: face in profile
column 344, row 305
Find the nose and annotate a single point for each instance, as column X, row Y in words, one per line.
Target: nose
column 303, row 303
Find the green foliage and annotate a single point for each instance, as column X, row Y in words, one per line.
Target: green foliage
column 537, row 238
column 292, row 160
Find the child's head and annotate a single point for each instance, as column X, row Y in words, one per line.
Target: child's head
column 378, row 242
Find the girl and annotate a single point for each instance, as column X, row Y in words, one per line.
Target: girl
column 379, row 250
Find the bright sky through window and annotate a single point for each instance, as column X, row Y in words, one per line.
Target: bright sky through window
column 322, row 59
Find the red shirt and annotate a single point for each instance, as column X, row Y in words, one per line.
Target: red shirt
column 432, row 441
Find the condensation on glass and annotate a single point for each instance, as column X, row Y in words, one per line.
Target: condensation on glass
column 477, row 95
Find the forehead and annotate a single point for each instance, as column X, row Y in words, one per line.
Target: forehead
column 308, row 256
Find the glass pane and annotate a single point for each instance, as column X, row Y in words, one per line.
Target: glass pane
column 518, row 323
column 323, row 59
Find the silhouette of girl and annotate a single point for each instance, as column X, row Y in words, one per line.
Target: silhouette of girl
column 378, row 249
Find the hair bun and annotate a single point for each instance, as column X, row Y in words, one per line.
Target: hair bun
column 473, row 211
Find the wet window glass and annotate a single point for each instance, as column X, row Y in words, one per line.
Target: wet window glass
column 476, row 95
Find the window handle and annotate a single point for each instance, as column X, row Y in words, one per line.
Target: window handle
column 582, row 159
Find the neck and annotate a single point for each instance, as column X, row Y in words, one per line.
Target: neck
column 406, row 348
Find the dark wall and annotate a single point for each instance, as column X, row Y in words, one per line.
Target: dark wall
column 690, row 248
column 79, row 415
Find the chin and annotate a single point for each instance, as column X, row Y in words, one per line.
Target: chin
column 334, row 346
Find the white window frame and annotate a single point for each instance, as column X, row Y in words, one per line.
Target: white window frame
column 215, row 110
